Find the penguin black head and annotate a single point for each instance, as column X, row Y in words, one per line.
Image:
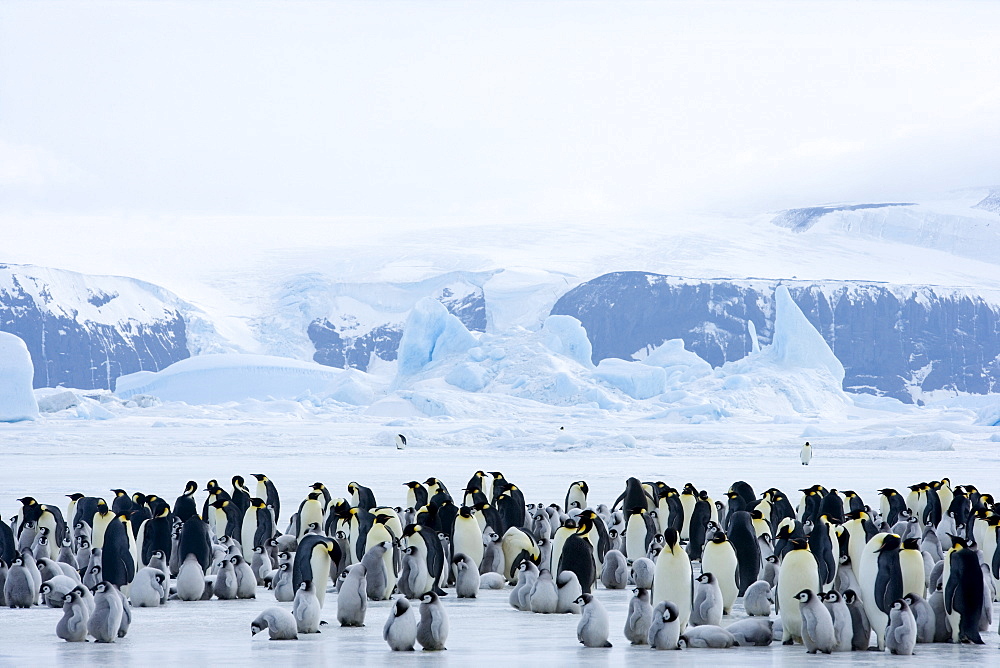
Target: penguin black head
column 804, row 595
column 260, row 477
column 850, row 596
column 670, row 612
column 465, row 512
column 219, row 503
column 429, row 597
column 584, row 599
column 706, row 578
column 211, row 485
column 27, row 501
column 238, row 481
column 671, row 538
column 314, row 496
column 900, row 604
column 400, row 606
column 798, row 544
column 306, row 585
column 75, row 496
column 890, row 542
column 102, row 506
column 832, row 596
column 911, row 544
column 120, row 492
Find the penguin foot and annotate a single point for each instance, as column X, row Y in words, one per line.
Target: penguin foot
column 788, row 642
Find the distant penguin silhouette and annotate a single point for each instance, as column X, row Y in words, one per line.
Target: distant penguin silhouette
column 400, row 441
column 806, row 454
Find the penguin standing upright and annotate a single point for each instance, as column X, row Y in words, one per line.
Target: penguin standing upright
column 673, row 579
column 593, row 628
column 743, row 538
column 901, row 635
column 964, row 592
column 806, row 454
column 312, row 562
column 720, row 559
column 267, row 491
column 578, row 556
column 818, row 633
column 640, row 618
column 400, row 630
column 467, row 537
column 881, row 580
column 576, row 495
column 432, row 629
column 665, row 629
column 798, row 572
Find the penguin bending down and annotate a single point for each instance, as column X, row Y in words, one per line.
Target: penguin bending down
column 593, row 628
column 665, row 629
column 758, row 599
column 400, row 630
column 569, row 590
column 280, row 624
column 711, row 637
column 614, row 573
column 148, row 588
column 467, row 578
column 752, row 632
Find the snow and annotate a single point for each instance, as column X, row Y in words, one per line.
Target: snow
column 216, row 379
column 639, row 381
column 430, row 334
column 17, row 401
column 796, row 343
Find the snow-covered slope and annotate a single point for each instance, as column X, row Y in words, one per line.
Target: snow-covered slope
column 84, row 331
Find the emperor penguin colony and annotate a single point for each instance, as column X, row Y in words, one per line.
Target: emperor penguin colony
column 832, row 574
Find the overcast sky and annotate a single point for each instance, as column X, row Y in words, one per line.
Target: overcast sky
column 421, row 113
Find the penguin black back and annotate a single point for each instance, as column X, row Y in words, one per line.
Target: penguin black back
column 195, row 539
column 578, row 557
column 744, row 541
column 117, row 564
column 889, row 581
column 964, row 593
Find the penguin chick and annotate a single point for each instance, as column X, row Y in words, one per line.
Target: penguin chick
column 352, row 601
column 817, row 624
column 284, row 590
column 708, row 637
column 467, row 578
column 664, row 629
column 246, row 581
column 901, row 634
column 861, row 630
column 432, row 629
column 758, row 599
column 492, row 580
column 19, row 588
column 146, row 590
column 640, row 618
column 73, row 625
column 923, row 615
column 400, row 630
column 224, row 587
column 643, row 570
column 843, row 625
column 280, row 624
column 593, row 628
column 306, row 608
column 614, row 573
column 752, row 631
column 707, row 608
column 569, row 588
column 107, row 616
column 543, row 596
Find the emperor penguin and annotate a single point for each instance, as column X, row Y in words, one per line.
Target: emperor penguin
column 400, row 441
column 964, row 592
column 923, row 615
column 818, row 633
column 843, row 626
column 313, row 560
column 569, row 590
column 806, row 454
column 468, row 536
column 352, row 601
column 543, row 597
column 306, row 608
column 19, row 588
column 578, row 556
column 881, row 581
column 414, row 579
column 311, row 511
column 706, row 636
column 708, row 601
column 280, row 624
column 752, row 632
column 224, row 585
column 758, row 599
column 640, row 617
column 380, row 571
column 416, row 534
column 400, row 630
column 720, row 560
column 901, row 635
column 246, row 580
column 147, row 588
column 744, row 540
column 673, row 580
column 432, row 629
column 664, row 629
column 107, row 616
column 614, row 574
column 576, row 495
column 282, row 584
column 798, row 572
column 860, row 626
column 416, row 494
column 467, row 577
column 911, row 565
column 76, row 616
column 593, row 628
column 688, row 497
column 527, row 574
column 267, row 491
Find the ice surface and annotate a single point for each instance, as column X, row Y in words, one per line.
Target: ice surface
column 566, row 336
column 430, row 334
column 796, row 343
column 17, row 401
column 639, row 381
column 216, row 379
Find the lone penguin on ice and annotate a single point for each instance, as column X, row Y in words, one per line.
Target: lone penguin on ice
column 400, row 441
column 806, row 454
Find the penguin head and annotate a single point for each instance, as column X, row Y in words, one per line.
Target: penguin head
column 46, row 588
column 671, row 538
column 256, row 628
column 706, row 578
column 890, row 542
column 584, row 599
column 900, row 604
column 159, row 577
column 850, row 596
column 102, row 506
column 119, row 492
column 260, row 477
column 833, row 596
column 957, row 542
column 238, row 482
column 101, row 587
column 670, row 612
column 911, row 544
column 798, row 544
column 400, row 606
column 314, row 496
column 211, row 485
column 804, row 595
column 73, row 595
column 465, row 512
column 306, row 585
column 429, row 597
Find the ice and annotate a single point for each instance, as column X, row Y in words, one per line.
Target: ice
column 430, row 334
column 796, row 342
column 17, row 401
column 566, row 336
column 216, row 379
column 469, row 377
column 639, row 381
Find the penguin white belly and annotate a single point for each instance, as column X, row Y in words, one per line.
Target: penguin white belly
column 911, row 563
column 673, row 582
column 312, row 513
column 867, row 575
column 662, row 515
column 319, row 561
column 687, row 502
column 247, row 533
column 635, row 537
column 469, row 539
column 798, row 572
column 721, row 561
column 557, row 548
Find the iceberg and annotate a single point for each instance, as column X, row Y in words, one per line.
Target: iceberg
column 17, row 399
column 430, row 334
